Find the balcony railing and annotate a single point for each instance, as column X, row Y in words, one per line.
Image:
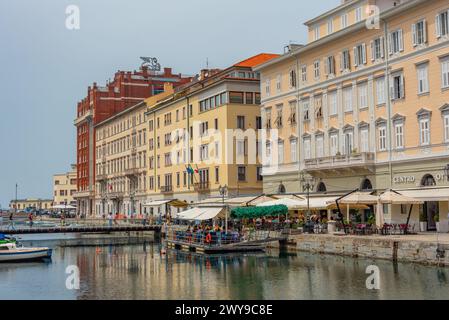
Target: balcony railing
column 132, row 172
column 102, row 177
column 166, row 189
column 364, row 160
column 202, row 186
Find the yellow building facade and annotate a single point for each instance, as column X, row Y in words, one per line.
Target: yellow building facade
column 372, row 100
column 64, row 187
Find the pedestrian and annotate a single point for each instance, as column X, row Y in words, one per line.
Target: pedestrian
column 62, row 219
column 110, row 218
column 11, row 221
column 30, row 218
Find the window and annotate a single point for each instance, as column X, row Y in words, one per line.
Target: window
column 399, row 135
column 358, row 14
column 292, row 79
column 241, row 122
column 307, row 150
column 348, row 145
column 259, row 174
column 292, row 117
column 377, row 49
column 396, row 42
column 380, row 91
column 236, row 97
column 240, row 147
column 347, row 99
column 304, row 74
column 419, row 33
column 258, row 123
column 279, row 116
column 446, row 127
column 316, row 33
column 316, row 69
column 319, row 146
column 167, row 159
column 333, row 107
column 216, row 124
column 364, row 140
column 248, row 98
column 423, row 79
column 445, row 73
column 268, row 118
column 280, row 152
column 330, row 65
column 424, row 132
column 330, row 26
column 333, row 145
column 442, row 24
column 257, row 98
column 267, row 87
column 204, row 152
column 382, row 138
column 360, row 55
column 397, row 89
column 278, row 83
column 294, row 150
column 241, row 174
column 363, row 95
column 344, row 20
column 345, row 63
column 305, row 107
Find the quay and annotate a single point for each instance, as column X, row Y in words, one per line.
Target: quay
column 424, row 248
column 80, row 229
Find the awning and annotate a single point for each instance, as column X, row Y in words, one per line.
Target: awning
column 427, row 194
column 358, row 198
column 63, row 206
column 174, row 203
column 200, row 214
column 392, row 197
column 291, row 204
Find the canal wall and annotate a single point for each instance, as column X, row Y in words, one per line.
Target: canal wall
column 91, row 239
column 401, row 250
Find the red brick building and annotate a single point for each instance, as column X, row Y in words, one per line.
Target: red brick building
column 127, row 89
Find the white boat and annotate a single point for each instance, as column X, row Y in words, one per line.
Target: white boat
column 9, row 252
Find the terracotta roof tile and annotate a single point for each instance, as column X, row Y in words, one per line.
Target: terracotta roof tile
column 256, row 60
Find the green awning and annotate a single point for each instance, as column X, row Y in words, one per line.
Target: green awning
column 258, row 212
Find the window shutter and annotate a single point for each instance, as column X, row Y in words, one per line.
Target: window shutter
column 392, row 96
column 382, row 47
column 425, row 30
column 401, row 41
column 356, row 57
column 438, row 25
column 326, row 66
column 364, row 53
column 342, row 61
column 372, row 51
column 390, row 44
column 414, row 34
column 402, row 87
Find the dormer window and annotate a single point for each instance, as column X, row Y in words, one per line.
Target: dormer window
column 316, row 33
column 358, row 14
column 344, row 20
column 330, row 26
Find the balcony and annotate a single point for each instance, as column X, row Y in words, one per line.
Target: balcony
column 202, row 186
column 132, row 172
column 357, row 163
column 133, row 150
column 101, row 177
column 166, row 189
column 115, row 195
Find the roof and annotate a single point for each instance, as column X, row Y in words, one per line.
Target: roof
column 256, row 60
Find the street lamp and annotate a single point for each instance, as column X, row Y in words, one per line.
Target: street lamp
column 308, row 183
column 223, row 191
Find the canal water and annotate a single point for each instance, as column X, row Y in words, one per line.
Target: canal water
column 140, row 271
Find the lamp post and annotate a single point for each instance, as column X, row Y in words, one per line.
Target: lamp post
column 308, row 183
column 223, row 191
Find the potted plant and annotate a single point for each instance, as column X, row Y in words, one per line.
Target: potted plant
column 422, row 222
column 436, row 218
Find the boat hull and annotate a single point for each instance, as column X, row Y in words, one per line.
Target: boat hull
column 26, row 255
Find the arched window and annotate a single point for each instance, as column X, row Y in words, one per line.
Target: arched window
column 428, row 181
column 366, row 185
column 321, row 187
column 281, row 189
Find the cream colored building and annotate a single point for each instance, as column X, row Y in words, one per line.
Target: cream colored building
column 372, row 103
column 39, row 204
column 64, row 187
column 122, row 159
column 209, row 128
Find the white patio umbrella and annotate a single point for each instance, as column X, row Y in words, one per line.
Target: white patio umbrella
column 357, row 198
column 291, row 204
column 379, row 215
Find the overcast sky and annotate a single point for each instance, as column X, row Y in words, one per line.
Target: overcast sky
column 46, row 68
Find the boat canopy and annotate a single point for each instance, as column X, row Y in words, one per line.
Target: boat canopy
column 200, row 214
column 258, row 212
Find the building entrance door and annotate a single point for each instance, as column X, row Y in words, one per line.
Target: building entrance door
column 431, row 209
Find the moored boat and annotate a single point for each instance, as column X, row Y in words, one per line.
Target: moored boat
column 10, row 252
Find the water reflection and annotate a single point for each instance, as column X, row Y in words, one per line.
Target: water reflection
column 144, row 272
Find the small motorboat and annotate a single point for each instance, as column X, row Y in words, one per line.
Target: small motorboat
column 10, row 252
